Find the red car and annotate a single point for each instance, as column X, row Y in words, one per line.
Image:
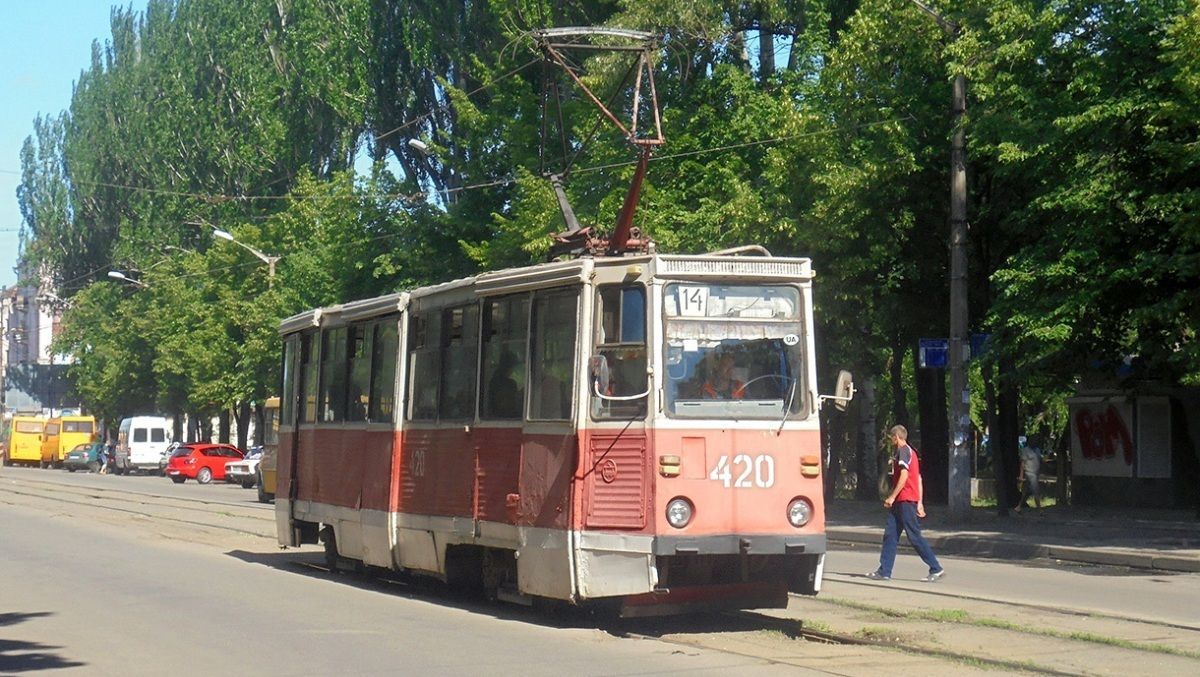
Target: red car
column 201, row 462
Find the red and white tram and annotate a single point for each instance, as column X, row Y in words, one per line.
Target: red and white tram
column 640, row 430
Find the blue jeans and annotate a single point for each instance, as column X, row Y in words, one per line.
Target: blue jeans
column 903, row 517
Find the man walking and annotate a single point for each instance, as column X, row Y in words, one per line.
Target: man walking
column 1027, row 477
column 905, row 505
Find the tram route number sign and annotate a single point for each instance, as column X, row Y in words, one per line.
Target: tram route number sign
column 744, row 471
column 693, row 301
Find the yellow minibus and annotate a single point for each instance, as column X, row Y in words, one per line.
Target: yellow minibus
column 25, row 440
column 63, row 434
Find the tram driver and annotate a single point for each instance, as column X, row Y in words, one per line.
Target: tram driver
column 721, row 384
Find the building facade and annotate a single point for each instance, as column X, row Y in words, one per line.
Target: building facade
column 32, row 379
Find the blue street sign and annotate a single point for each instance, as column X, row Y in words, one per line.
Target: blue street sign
column 934, row 353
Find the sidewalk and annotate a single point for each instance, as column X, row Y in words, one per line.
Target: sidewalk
column 1167, row 540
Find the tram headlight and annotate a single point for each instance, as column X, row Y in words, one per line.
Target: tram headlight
column 679, row 512
column 800, row 511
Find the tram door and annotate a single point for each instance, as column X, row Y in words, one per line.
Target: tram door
column 615, row 464
column 297, row 356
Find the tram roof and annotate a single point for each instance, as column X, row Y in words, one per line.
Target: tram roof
column 557, row 273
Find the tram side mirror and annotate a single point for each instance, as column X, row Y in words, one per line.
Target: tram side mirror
column 598, row 366
column 843, row 391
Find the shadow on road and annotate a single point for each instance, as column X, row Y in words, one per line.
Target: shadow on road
column 546, row 613
column 17, row 656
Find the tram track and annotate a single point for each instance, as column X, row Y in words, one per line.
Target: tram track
column 100, row 491
column 146, row 505
column 794, row 629
column 930, row 591
column 926, row 625
column 712, row 632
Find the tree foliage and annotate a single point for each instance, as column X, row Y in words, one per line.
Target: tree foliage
column 815, row 127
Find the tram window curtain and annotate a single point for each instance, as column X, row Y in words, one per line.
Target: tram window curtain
column 502, row 370
column 333, row 375
column 358, row 400
column 384, row 346
column 423, row 366
column 552, row 367
column 460, row 350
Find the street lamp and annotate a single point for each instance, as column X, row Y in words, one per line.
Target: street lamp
column 269, row 260
column 118, row 275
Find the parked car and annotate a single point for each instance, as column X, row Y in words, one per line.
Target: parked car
column 85, row 456
column 165, row 457
column 201, row 462
column 244, row 471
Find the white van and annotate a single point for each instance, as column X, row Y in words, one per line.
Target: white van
column 140, row 442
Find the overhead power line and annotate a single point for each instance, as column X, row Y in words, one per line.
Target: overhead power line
column 469, row 94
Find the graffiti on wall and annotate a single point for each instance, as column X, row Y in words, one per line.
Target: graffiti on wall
column 1102, row 434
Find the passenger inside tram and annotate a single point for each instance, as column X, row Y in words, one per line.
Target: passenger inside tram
column 504, row 395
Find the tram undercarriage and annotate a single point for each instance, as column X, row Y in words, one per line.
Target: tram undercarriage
column 686, row 583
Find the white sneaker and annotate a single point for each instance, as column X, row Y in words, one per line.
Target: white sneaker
column 934, row 576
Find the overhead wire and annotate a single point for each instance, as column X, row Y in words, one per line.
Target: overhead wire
column 446, row 106
column 422, row 195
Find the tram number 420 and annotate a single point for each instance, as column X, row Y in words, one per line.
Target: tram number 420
column 744, row 471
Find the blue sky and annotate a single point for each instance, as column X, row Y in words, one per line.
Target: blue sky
column 44, row 45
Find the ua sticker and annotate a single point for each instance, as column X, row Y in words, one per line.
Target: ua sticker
column 791, row 340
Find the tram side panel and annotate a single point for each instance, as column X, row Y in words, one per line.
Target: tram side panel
column 341, row 479
column 542, row 514
column 493, row 487
column 615, row 529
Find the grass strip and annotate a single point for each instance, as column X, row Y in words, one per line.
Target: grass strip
column 962, row 617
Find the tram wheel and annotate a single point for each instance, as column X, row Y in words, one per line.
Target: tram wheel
column 329, row 539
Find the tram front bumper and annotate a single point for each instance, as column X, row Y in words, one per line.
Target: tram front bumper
column 740, row 544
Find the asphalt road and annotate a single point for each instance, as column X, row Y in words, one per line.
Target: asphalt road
column 87, row 591
column 137, row 575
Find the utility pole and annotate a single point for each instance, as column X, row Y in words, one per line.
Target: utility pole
column 959, row 489
column 960, row 393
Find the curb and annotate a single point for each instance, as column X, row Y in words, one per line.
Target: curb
column 966, row 545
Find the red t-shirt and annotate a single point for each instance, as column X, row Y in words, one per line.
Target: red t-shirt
column 906, row 457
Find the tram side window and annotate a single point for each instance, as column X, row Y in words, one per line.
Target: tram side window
column 460, row 350
column 384, row 346
column 423, row 366
column 333, row 375
column 621, row 339
column 359, row 398
column 505, row 327
column 552, row 367
column 310, row 368
column 288, row 395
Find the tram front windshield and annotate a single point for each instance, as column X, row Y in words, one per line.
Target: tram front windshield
column 734, row 351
